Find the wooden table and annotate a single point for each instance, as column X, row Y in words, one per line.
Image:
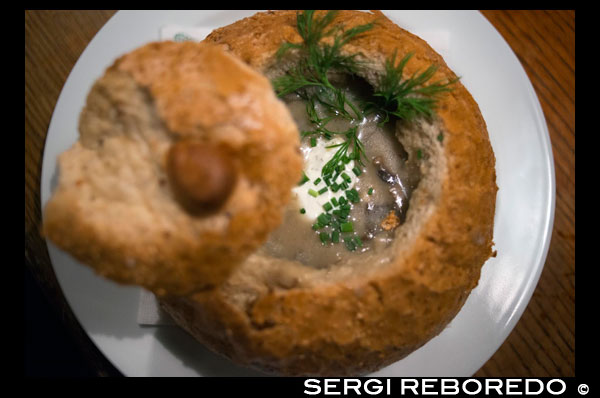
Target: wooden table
column 542, row 343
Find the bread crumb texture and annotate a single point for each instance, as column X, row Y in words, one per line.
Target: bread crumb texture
column 114, row 208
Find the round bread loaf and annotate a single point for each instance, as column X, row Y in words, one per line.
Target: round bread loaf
column 184, row 161
column 284, row 317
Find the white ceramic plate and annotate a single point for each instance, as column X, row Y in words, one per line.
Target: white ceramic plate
column 524, row 215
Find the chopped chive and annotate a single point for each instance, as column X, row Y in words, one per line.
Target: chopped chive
column 342, row 200
column 370, row 192
column 324, row 236
column 347, row 227
column 356, row 171
column 345, row 159
column 317, row 181
column 327, row 206
column 313, row 142
column 324, row 219
column 335, row 187
column 303, row 179
column 317, row 226
column 337, row 173
column 352, row 195
column 346, row 178
column 350, row 245
column 440, row 137
column 345, row 207
column 313, row 193
column 323, row 190
column 357, row 241
column 419, row 154
column 335, row 237
column 302, row 210
column 334, row 201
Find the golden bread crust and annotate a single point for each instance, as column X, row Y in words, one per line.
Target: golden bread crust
column 114, row 208
column 354, row 320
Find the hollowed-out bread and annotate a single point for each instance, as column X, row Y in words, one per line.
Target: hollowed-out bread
column 284, row 317
column 117, row 205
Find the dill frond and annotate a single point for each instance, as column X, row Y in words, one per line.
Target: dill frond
column 352, row 149
column 317, row 59
column 407, row 98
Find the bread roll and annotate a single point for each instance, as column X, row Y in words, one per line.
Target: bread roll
column 184, row 161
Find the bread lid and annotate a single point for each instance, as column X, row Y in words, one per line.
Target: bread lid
column 184, row 163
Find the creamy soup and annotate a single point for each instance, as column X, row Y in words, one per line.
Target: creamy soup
column 383, row 184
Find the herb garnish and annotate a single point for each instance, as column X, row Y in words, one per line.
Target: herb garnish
column 406, row 98
column 394, row 95
column 317, row 58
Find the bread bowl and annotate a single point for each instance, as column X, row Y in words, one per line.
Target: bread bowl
column 282, row 314
column 289, row 317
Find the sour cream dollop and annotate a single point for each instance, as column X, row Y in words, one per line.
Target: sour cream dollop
column 314, row 159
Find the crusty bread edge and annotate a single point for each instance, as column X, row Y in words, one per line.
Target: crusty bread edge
column 355, row 326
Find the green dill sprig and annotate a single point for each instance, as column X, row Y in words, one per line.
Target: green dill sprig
column 322, row 57
column 410, row 97
column 309, row 78
column 317, row 58
column 351, row 149
column 335, row 102
column 319, row 123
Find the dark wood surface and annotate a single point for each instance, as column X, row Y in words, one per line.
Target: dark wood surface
column 542, row 343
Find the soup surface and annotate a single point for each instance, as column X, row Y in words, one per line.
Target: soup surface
column 372, row 194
